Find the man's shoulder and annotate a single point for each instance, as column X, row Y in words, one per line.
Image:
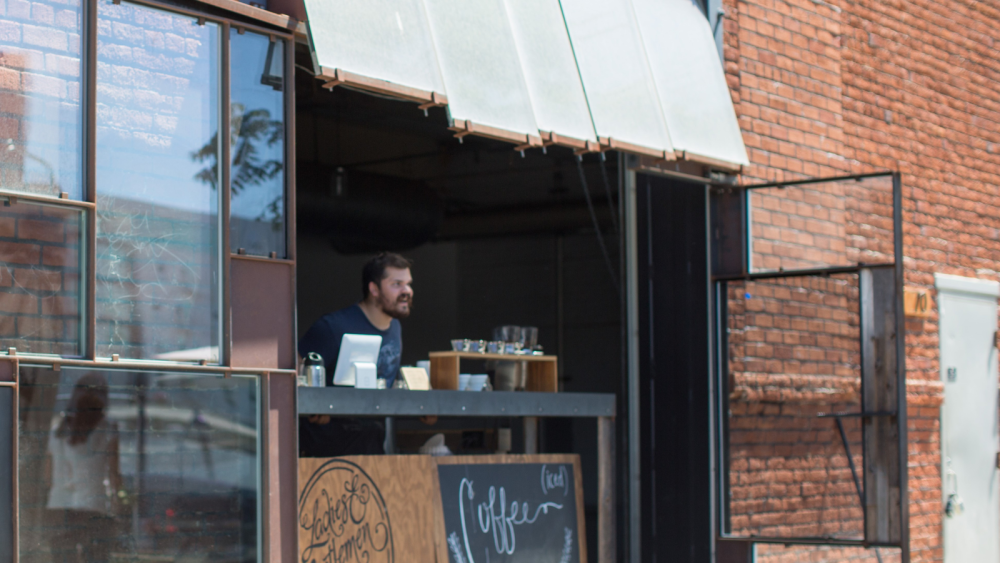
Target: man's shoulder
column 349, row 319
column 347, row 314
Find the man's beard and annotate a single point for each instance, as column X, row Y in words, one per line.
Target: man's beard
column 394, row 310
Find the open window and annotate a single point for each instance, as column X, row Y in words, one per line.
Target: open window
column 811, row 409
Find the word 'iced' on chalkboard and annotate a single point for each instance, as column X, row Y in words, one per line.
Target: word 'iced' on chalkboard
column 511, row 512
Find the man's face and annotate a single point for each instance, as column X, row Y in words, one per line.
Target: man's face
column 394, row 293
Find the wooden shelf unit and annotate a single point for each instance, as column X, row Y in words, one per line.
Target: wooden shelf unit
column 543, row 371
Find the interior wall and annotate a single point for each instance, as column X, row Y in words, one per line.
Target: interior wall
column 462, row 289
column 329, row 281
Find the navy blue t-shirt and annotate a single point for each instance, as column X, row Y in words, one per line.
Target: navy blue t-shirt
column 325, row 336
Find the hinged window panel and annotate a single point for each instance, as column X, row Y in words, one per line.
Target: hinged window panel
column 810, row 361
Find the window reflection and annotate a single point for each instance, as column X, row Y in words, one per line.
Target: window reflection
column 40, row 115
column 136, row 465
column 257, row 210
column 157, row 249
column 41, row 297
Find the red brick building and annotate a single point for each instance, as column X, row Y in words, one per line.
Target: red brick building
column 132, row 230
column 843, row 87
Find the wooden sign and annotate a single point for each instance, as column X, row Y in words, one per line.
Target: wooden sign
column 917, row 302
column 511, row 509
column 457, row 509
column 369, row 509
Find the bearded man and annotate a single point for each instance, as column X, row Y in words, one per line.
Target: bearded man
column 387, row 296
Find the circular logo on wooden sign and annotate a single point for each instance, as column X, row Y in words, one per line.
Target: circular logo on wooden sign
column 343, row 513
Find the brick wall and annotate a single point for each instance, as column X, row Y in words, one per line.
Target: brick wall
column 40, row 299
column 829, row 87
column 793, row 355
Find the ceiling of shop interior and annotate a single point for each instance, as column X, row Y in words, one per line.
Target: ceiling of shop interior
column 361, row 157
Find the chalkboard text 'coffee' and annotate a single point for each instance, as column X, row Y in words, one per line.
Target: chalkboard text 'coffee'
column 510, row 512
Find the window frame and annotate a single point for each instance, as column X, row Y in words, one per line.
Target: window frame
column 284, row 29
column 261, row 381
column 88, row 204
column 732, row 247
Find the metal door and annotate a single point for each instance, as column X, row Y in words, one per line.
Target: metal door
column 969, row 441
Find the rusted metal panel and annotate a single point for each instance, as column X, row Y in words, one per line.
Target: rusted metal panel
column 282, row 468
column 262, row 297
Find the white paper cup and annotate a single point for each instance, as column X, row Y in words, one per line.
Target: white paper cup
column 476, row 382
column 463, row 381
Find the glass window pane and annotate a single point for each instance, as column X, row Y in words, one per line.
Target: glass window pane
column 134, row 466
column 41, row 295
column 793, row 353
column 479, row 63
column 158, row 256
column 40, row 114
column 822, row 224
column 257, row 206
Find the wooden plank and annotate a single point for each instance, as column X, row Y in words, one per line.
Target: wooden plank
column 882, row 487
column 336, row 76
column 444, row 372
column 478, row 356
column 264, row 16
column 543, row 376
column 376, row 509
column 543, row 371
column 917, row 303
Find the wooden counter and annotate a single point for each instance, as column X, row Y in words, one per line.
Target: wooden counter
column 543, row 371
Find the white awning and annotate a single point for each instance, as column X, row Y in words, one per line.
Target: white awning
column 377, row 45
column 690, row 80
column 481, row 68
column 642, row 76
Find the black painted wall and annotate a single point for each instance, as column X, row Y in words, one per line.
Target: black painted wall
column 674, row 308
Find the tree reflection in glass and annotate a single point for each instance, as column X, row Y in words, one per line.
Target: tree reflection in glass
column 257, row 207
column 158, row 256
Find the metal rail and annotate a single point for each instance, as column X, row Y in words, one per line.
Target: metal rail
column 347, row 401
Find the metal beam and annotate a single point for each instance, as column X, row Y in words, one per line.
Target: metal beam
column 348, row 401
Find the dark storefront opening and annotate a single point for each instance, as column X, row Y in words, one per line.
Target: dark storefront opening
column 496, row 237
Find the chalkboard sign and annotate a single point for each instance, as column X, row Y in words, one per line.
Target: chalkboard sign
column 512, row 512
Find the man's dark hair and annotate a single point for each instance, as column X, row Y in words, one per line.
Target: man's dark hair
column 374, row 270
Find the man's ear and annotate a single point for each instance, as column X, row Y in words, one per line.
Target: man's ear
column 373, row 289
